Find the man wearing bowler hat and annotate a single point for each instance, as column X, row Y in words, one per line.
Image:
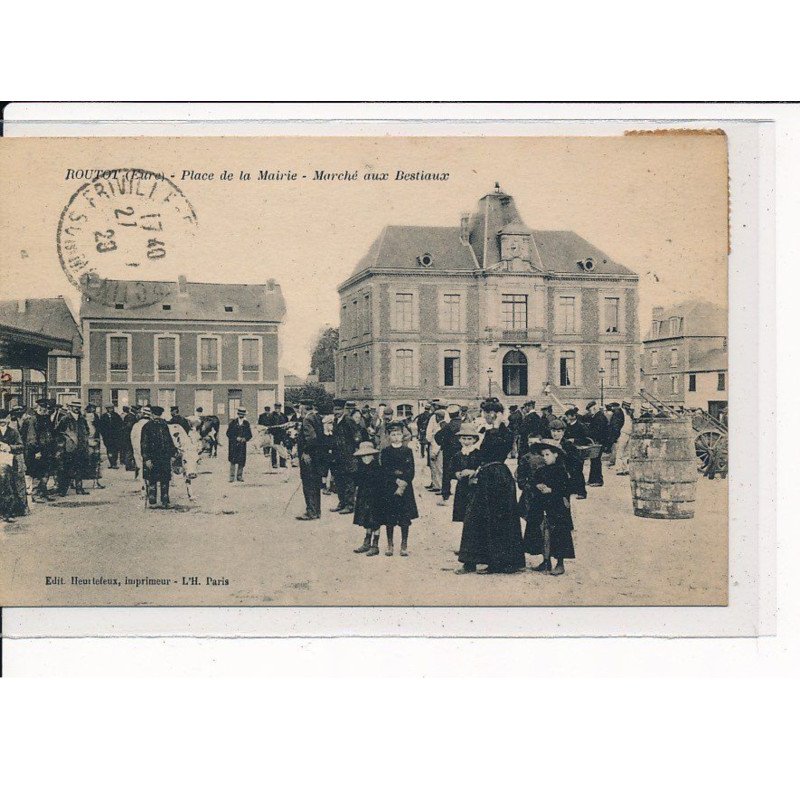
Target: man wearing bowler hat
column 239, row 434
column 310, row 449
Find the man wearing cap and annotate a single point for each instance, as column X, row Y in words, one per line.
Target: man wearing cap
column 346, row 438
column 112, row 431
column 73, row 437
column 38, row 439
column 597, row 425
column 532, row 425
column 616, row 419
column 310, row 449
column 239, row 434
column 157, row 452
column 130, row 416
column 276, row 421
column 577, row 434
column 177, row 419
column 447, row 439
column 421, row 421
column 548, row 416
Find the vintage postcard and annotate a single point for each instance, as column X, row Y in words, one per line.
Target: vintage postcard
column 365, row 371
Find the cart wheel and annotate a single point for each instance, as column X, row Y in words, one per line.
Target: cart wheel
column 705, row 446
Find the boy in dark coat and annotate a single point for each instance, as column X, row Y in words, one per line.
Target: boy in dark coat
column 368, row 478
column 526, row 469
column 399, row 506
column 549, row 521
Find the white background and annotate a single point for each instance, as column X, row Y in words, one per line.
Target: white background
column 722, row 725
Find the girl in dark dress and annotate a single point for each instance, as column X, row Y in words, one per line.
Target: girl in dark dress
column 465, row 464
column 492, row 534
column 399, row 506
column 368, row 479
column 549, row 523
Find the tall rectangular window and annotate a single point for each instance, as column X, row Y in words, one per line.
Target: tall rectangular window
column 404, row 311
column 367, row 315
column 566, row 369
column 345, row 330
column 250, row 349
column 209, row 358
column 693, row 383
column 674, row 384
column 452, row 368
column 612, row 367
column 515, row 312
column 366, row 372
column 355, row 371
column 565, row 315
column 204, row 399
column 451, row 312
column 67, row 369
column 344, row 372
column 675, row 325
column 404, row 367
column 611, row 310
column 356, row 319
column 166, row 350
column 653, row 359
column 656, row 326
column 720, row 381
column 673, row 357
column 118, row 353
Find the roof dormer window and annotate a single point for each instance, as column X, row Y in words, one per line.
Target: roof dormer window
column 166, row 307
column 229, row 309
column 119, row 306
column 426, row 259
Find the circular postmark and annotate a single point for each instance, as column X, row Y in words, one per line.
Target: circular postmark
column 123, row 231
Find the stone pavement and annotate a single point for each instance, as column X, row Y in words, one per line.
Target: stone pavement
column 239, row 544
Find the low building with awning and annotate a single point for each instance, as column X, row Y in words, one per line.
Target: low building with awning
column 40, row 351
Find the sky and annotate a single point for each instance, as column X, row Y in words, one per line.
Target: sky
column 657, row 204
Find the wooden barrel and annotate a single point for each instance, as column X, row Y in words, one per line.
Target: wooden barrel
column 663, row 468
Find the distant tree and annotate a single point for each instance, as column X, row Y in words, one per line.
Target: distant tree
column 323, row 356
column 316, row 391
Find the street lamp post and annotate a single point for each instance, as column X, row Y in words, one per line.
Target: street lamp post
column 602, row 388
column 490, row 372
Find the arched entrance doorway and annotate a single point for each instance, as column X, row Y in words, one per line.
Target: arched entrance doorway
column 515, row 373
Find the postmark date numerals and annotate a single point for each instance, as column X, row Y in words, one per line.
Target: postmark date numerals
column 104, row 241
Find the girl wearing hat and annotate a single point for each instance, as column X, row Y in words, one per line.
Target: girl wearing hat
column 399, row 505
column 368, row 480
column 549, row 521
column 464, row 466
column 492, row 534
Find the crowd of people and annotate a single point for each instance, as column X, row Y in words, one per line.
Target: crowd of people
column 50, row 449
column 363, row 455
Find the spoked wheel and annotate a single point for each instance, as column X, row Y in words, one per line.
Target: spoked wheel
column 721, row 457
column 705, row 447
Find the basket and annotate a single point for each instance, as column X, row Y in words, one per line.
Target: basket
column 589, row 451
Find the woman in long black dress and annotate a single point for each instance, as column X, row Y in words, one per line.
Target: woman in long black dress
column 492, row 533
column 399, row 503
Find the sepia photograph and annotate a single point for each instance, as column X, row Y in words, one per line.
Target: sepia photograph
column 351, row 371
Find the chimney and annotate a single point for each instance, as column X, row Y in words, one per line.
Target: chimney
column 658, row 312
column 465, row 228
column 22, row 306
column 182, row 288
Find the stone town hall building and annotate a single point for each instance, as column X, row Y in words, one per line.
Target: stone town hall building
column 491, row 306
